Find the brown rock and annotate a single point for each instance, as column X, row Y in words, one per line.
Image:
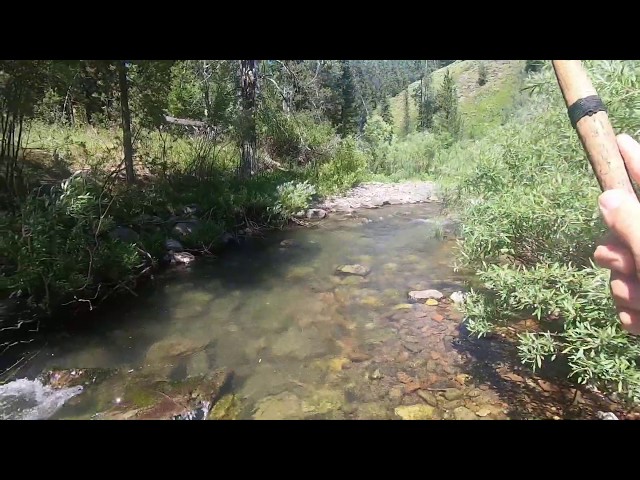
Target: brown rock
column 404, row 378
column 358, row 356
column 428, row 397
column 548, row 387
column 411, row 387
column 437, row 317
column 403, row 356
column 512, row 377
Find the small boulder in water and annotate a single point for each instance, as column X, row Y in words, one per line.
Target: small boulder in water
column 606, row 416
column 183, row 258
column 288, row 243
column 186, row 228
column 316, row 213
column 425, row 295
column 457, row 297
column 174, row 245
column 355, row 269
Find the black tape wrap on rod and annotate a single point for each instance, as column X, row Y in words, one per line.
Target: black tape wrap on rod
column 585, row 106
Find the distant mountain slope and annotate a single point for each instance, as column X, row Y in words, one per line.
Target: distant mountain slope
column 481, row 106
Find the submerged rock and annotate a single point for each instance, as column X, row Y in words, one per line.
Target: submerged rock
column 300, row 272
column 173, row 245
column 415, row 412
column 288, row 243
column 323, row 401
column 355, row 269
column 191, row 399
column 463, row 413
column 284, row 406
column 167, row 351
column 425, row 295
column 227, row 408
column 453, row 394
column 72, row 377
column 198, row 364
column 297, row 344
column 428, row 397
column 372, row 411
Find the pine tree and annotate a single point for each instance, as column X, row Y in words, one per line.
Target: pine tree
column 429, row 104
column 406, row 112
column 349, row 112
column 425, row 98
column 385, row 110
column 447, row 104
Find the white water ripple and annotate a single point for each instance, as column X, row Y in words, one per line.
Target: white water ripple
column 25, row 399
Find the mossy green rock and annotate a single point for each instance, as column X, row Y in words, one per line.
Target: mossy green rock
column 148, row 399
column 323, row 401
column 227, row 408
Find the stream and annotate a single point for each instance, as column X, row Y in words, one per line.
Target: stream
column 302, row 341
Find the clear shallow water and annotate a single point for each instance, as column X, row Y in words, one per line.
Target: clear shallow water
column 302, row 341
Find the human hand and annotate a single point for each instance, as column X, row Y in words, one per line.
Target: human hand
column 620, row 251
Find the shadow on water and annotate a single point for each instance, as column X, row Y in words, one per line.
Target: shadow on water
column 544, row 394
column 120, row 327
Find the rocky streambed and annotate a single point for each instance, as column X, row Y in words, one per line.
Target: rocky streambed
column 356, row 318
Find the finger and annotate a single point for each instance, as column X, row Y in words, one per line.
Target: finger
column 630, row 320
column 611, row 239
column 621, row 213
column 625, row 291
column 616, row 257
column 630, row 151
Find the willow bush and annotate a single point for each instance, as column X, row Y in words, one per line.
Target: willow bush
column 528, row 201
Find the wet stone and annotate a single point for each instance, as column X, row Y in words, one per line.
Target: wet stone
column 453, row 394
column 355, row 269
column 428, row 397
column 463, row 413
column 415, row 412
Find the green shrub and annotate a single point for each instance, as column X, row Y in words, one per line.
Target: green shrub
column 57, row 248
column 292, row 197
column 527, row 199
column 346, row 168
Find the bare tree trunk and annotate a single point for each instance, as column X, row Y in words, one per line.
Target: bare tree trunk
column 205, row 90
column 126, row 121
column 248, row 95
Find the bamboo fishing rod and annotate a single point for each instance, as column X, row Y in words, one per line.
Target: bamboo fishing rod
column 589, row 118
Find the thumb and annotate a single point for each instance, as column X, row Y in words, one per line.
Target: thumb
column 621, row 213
